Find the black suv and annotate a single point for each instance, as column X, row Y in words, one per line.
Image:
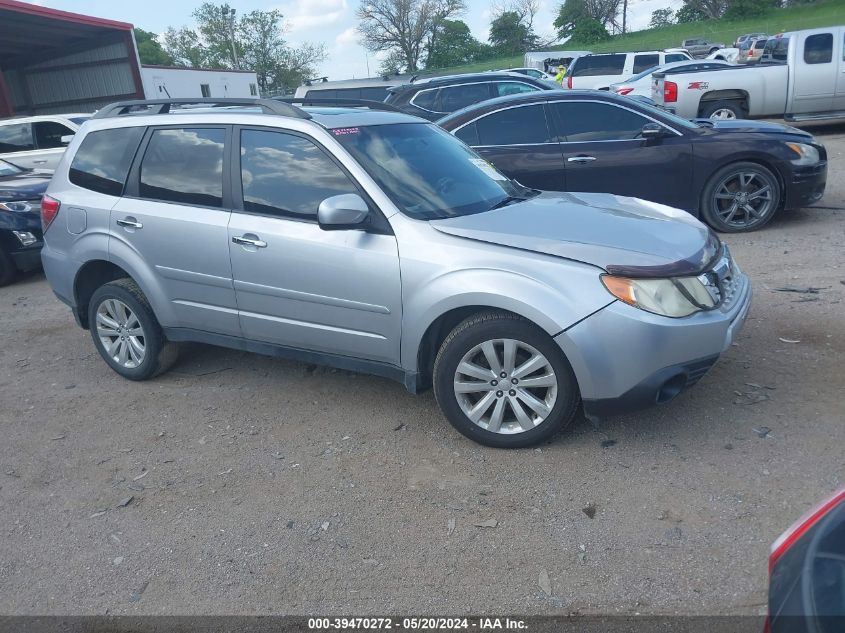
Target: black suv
column 435, row 97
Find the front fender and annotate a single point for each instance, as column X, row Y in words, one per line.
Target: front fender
column 552, row 308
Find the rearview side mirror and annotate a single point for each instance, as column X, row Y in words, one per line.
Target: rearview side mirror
column 347, row 211
column 652, row 131
column 66, row 139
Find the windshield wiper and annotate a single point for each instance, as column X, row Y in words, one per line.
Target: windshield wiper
column 506, row 201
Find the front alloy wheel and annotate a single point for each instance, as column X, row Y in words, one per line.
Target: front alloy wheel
column 741, row 197
column 503, row 382
column 505, row 386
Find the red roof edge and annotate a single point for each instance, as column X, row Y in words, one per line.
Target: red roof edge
column 67, row 16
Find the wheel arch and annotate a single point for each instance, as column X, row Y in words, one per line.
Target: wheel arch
column 725, row 95
column 89, row 277
column 761, row 160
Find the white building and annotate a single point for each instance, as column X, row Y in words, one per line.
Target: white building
column 173, row 82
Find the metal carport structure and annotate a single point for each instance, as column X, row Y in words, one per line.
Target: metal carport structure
column 55, row 61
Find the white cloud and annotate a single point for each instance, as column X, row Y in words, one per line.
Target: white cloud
column 349, row 37
column 302, row 15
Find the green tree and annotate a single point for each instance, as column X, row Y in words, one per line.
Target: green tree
column 572, row 12
column 661, row 18
column 452, row 45
column 699, row 10
column 149, row 50
column 184, row 47
column 393, row 64
column 690, row 13
column 590, row 31
column 510, row 35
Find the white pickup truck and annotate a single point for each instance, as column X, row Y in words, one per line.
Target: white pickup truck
column 801, row 77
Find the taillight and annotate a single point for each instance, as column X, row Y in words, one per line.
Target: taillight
column 569, row 82
column 623, row 91
column 49, row 211
column 801, row 527
column 670, row 92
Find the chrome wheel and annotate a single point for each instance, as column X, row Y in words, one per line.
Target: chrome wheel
column 723, row 113
column 743, row 199
column 120, row 333
column 505, row 386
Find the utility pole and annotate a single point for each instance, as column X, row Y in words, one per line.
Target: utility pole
column 229, row 18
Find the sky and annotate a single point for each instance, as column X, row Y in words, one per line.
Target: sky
column 330, row 22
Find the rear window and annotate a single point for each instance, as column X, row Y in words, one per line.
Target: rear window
column 597, row 65
column 675, row 57
column 371, row 94
column 102, row 161
column 759, row 44
column 776, row 50
column 16, row 138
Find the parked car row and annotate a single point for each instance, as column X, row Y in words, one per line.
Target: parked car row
column 20, row 219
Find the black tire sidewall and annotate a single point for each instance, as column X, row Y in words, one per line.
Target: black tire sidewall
column 568, row 396
column 718, row 105
column 708, row 214
column 153, row 337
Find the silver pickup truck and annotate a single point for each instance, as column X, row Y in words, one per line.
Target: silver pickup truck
column 801, row 77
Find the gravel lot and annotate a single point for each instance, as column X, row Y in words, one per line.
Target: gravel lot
column 264, row 486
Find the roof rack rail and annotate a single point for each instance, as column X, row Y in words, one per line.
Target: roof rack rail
column 268, row 106
column 342, row 102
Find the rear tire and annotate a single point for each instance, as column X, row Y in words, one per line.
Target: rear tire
column 722, row 196
column 126, row 332
column 506, row 412
column 723, row 110
column 8, row 270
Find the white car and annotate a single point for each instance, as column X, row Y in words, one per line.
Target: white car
column 729, row 55
column 640, row 85
column 38, row 142
column 597, row 72
column 531, row 72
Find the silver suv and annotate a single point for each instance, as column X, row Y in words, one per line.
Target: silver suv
column 374, row 241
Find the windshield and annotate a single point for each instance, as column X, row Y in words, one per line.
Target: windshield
column 428, row 173
column 79, row 120
column 8, row 169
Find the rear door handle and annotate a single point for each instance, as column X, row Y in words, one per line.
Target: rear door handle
column 249, row 241
column 130, row 223
column 39, row 162
column 580, row 159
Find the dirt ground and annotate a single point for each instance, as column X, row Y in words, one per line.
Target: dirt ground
column 243, row 484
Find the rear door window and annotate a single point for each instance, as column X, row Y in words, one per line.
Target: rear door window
column 586, row 121
column 642, row 62
column 184, row 165
column 16, row 137
column 597, row 65
column 525, row 125
column 48, row 134
column 818, row 49
column 103, row 159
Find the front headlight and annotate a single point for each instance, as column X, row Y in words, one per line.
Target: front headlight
column 675, row 297
column 16, row 207
column 806, row 154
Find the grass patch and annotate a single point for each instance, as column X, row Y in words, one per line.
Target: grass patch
column 829, row 13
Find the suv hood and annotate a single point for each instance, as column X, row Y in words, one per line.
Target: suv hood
column 624, row 236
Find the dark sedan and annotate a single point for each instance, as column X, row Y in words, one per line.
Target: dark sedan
column 20, row 219
column 734, row 175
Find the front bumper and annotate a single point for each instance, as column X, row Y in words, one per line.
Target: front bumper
column 627, row 359
column 806, row 185
column 28, row 258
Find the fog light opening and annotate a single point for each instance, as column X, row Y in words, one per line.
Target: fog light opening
column 671, row 388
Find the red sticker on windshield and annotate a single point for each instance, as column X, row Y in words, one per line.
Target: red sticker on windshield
column 343, row 131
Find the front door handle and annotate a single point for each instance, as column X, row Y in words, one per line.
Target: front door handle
column 130, row 223
column 580, row 159
column 39, row 162
column 249, row 241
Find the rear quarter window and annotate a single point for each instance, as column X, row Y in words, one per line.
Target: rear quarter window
column 103, row 159
column 597, row 65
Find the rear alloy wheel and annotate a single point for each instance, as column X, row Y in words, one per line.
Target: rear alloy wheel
column 740, row 197
column 723, row 110
column 502, row 382
column 126, row 333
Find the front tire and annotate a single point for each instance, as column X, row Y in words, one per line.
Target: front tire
column 503, row 382
column 740, row 197
column 126, row 332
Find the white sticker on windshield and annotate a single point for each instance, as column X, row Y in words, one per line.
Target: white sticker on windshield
column 487, row 168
